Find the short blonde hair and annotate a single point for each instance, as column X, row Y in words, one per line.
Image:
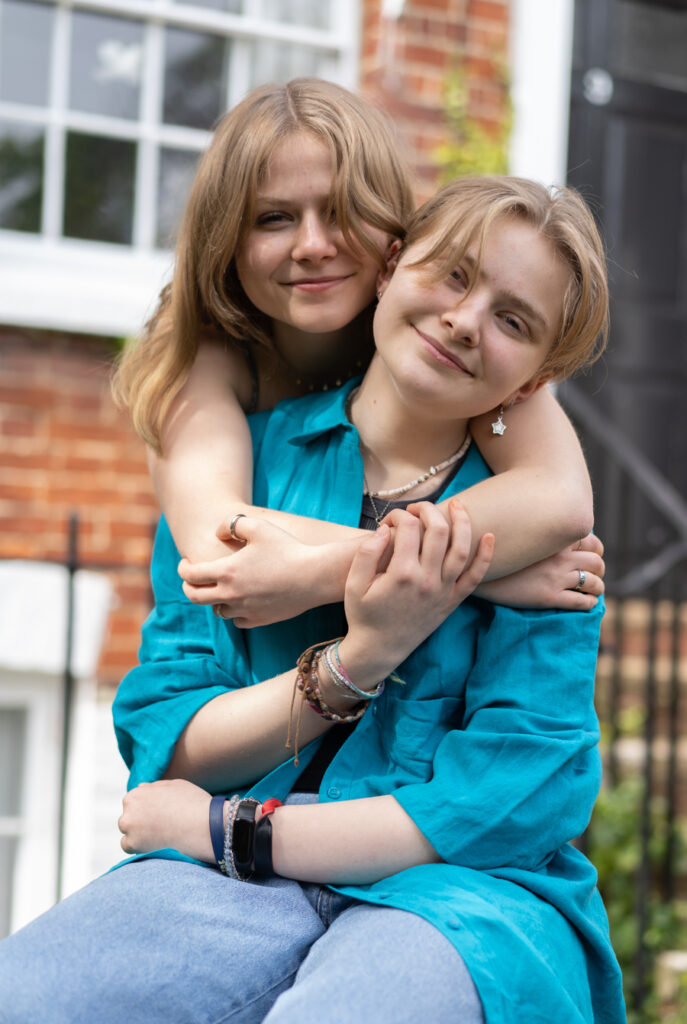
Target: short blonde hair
column 371, row 185
column 461, row 215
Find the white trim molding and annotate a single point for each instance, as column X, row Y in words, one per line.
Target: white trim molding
column 541, row 64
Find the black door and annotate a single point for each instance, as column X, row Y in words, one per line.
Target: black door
column 628, row 155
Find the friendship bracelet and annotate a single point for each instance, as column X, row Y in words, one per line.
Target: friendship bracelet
column 341, row 676
column 308, row 685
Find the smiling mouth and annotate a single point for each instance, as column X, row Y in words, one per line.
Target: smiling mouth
column 317, row 284
column 442, row 355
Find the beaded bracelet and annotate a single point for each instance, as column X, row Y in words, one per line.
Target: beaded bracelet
column 307, row 684
column 340, row 676
column 227, row 865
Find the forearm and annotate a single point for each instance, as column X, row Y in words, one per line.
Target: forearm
column 354, row 842
column 540, row 499
column 240, row 736
column 530, row 520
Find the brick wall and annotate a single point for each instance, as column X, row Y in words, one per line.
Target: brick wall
column 405, row 63
column 65, row 448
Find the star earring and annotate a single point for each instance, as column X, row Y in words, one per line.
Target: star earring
column 499, row 427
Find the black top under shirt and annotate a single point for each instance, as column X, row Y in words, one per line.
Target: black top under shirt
column 310, row 779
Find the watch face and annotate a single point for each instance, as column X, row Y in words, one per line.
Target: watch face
column 242, row 836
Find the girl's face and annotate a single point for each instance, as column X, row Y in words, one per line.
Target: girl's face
column 450, row 350
column 294, row 264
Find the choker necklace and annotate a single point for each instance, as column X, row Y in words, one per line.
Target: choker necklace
column 395, row 492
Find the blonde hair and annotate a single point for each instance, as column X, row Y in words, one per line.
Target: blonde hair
column 371, row 185
column 461, row 215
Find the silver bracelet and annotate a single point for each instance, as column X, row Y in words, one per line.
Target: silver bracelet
column 229, row 867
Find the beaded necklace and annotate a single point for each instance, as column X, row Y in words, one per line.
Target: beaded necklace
column 395, row 492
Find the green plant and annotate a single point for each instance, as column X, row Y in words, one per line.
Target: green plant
column 614, row 846
column 472, row 148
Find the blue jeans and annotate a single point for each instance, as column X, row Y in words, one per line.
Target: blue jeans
column 170, row 941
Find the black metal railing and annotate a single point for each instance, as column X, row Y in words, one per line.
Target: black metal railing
column 642, row 520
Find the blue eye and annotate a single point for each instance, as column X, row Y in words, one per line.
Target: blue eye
column 513, row 323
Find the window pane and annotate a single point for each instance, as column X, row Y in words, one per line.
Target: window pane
column 25, row 35
column 649, row 44
column 8, row 857
column 278, row 62
column 177, row 168
column 99, row 188
column 312, row 13
column 196, row 71
column 105, row 71
column 21, row 176
column 12, row 752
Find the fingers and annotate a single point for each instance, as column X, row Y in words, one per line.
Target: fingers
column 473, row 575
column 586, row 582
column 435, row 537
column 590, row 543
column 365, row 564
column 461, row 539
column 577, row 600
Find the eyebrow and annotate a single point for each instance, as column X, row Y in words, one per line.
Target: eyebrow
column 517, row 301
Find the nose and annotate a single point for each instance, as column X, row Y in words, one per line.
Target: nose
column 315, row 239
column 463, row 320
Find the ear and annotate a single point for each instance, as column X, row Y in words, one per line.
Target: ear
column 391, row 257
column 527, row 389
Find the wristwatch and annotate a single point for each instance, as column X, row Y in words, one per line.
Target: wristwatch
column 242, row 836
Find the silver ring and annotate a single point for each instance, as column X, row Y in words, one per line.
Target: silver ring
column 218, row 609
column 583, row 576
column 232, row 525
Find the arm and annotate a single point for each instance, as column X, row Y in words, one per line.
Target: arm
column 538, row 503
column 207, row 466
column 540, row 498
column 504, row 791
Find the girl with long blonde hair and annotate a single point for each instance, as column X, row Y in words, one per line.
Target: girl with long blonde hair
column 290, row 218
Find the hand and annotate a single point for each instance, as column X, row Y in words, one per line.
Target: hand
column 171, row 813
column 268, row 579
column 391, row 612
column 552, row 583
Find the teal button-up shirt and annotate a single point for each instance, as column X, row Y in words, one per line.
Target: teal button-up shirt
column 490, row 746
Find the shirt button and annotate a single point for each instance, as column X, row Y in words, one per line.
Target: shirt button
column 333, row 793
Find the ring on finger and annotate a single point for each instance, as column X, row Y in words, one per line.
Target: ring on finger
column 220, row 610
column 232, row 524
column 582, row 577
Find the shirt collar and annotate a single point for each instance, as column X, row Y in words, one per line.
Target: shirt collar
column 321, row 413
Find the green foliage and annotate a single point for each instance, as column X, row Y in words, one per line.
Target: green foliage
column 614, row 846
column 471, row 147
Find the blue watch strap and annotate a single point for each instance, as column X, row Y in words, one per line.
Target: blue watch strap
column 217, row 828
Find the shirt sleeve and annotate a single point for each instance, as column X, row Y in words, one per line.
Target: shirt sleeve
column 179, row 670
column 519, row 779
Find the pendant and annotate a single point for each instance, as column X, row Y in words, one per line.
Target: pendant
column 499, row 427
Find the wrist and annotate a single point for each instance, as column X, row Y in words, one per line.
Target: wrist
column 329, row 565
column 363, row 662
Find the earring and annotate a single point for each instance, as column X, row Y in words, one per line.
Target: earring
column 499, row 427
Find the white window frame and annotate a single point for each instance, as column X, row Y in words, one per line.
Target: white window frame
column 92, row 287
column 541, row 47
column 36, row 825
